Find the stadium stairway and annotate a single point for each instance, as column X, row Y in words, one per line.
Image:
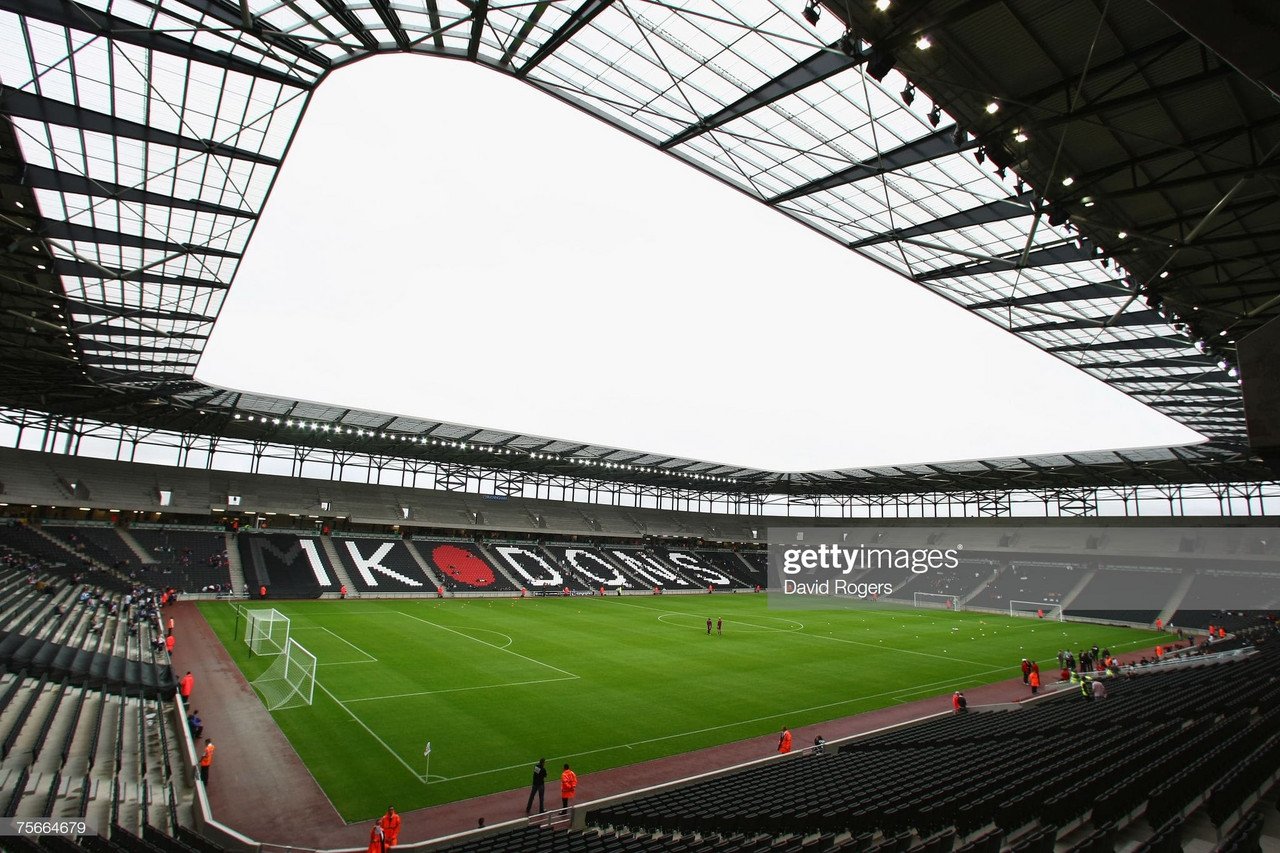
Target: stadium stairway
column 144, row 556
column 500, row 566
column 978, row 590
column 1177, row 597
column 1075, row 591
column 422, row 563
column 235, row 565
column 339, row 566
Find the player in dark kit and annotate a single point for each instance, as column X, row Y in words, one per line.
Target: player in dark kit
column 708, row 626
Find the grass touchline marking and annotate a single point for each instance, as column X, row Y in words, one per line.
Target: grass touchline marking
column 730, row 725
column 372, row 733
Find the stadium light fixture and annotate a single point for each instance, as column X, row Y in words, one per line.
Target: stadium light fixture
column 909, row 94
column 923, row 43
column 993, row 107
column 935, row 115
column 980, row 155
column 811, row 12
column 883, row 5
column 959, row 135
column 1068, row 181
column 1123, row 235
column 1019, row 136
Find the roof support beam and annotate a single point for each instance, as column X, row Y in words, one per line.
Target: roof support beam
column 38, row 177
column 1063, row 253
column 117, row 311
column 234, row 15
column 1129, row 318
column 57, row 229
column 80, row 269
column 433, row 17
column 479, row 10
column 579, row 19
column 521, row 37
column 51, row 111
column 348, row 19
column 926, row 148
column 66, row 13
column 392, row 22
column 823, row 64
column 1000, row 210
column 1098, row 290
column 1135, row 343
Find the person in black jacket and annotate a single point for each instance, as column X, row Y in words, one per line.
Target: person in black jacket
column 539, row 786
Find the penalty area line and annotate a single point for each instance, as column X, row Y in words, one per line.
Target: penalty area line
column 460, row 689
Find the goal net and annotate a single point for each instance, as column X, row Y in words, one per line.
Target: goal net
column 1035, row 608
column 936, row 600
column 290, row 681
column 266, row 631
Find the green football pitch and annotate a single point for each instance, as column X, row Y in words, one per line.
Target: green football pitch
column 495, row 684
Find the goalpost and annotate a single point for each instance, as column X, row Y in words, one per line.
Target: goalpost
column 938, row 600
column 1034, row 608
column 266, row 631
column 290, row 681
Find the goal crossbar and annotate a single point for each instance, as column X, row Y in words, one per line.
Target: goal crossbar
column 1034, row 608
column 939, row 600
column 266, row 631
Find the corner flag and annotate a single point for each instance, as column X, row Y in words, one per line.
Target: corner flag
column 426, row 752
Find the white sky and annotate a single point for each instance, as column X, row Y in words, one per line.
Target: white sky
column 447, row 243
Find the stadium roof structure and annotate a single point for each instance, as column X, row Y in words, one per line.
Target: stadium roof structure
column 1089, row 176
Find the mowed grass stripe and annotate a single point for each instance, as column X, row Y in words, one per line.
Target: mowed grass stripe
column 497, row 684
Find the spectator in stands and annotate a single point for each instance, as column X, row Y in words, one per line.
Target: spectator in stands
column 538, row 786
column 206, row 760
column 390, row 823
column 819, row 745
column 1099, row 690
column 784, row 740
column 195, row 724
column 568, row 787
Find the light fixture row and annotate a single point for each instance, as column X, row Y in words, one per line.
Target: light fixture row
column 360, row 432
